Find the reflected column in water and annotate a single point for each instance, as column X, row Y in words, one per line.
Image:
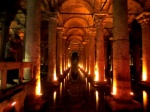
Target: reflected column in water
column 97, row 99
column 86, row 84
column 54, row 98
column 60, row 90
column 145, row 101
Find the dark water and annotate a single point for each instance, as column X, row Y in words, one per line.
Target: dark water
column 76, row 94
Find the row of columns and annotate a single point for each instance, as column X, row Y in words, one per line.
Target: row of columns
column 144, row 21
column 121, row 68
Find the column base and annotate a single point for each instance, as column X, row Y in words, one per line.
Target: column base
column 118, row 106
column 53, row 83
column 145, row 85
column 99, row 84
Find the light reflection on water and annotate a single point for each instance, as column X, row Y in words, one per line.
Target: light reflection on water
column 89, row 87
column 91, row 98
column 97, row 99
column 54, row 97
column 64, row 83
column 86, row 83
column 60, row 89
column 142, row 96
column 145, row 101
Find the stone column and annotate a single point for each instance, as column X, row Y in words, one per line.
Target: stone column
column 63, row 54
column 121, row 68
column 52, row 49
column 66, row 55
column 144, row 20
column 92, row 51
column 59, row 51
column 100, row 59
column 32, row 41
column 87, row 57
column 84, row 58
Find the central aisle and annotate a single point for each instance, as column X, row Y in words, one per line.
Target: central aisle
column 74, row 94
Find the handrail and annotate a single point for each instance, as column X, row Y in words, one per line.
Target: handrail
column 4, row 66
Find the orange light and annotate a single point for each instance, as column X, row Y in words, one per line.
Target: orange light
column 131, row 93
column 38, row 86
column 13, row 103
column 114, row 88
column 69, row 63
column 96, row 73
column 144, row 71
column 54, row 96
column 145, row 100
column 144, row 74
column 89, row 72
column 97, row 99
column 54, row 76
column 61, row 70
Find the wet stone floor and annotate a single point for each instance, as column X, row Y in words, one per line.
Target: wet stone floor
column 76, row 94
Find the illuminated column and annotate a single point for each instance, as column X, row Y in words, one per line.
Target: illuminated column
column 100, row 60
column 59, row 51
column 52, row 49
column 92, row 51
column 32, row 41
column 84, row 57
column 87, row 57
column 63, row 54
column 144, row 20
column 121, row 68
column 66, row 49
column 67, row 55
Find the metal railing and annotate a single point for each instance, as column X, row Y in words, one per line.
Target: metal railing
column 4, row 66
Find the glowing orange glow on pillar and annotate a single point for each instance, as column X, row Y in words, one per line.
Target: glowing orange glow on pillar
column 86, row 83
column 86, row 69
column 38, row 85
column 144, row 72
column 61, row 69
column 89, row 72
column 13, row 103
column 54, row 75
column 131, row 93
column 96, row 73
column 114, row 91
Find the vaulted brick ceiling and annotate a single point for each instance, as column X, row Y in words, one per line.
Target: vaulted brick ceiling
column 76, row 16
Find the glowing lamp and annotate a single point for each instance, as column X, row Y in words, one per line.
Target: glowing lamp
column 13, row 103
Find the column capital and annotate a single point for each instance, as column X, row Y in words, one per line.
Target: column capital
column 143, row 18
column 92, row 32
column 53, row 19
column 60, row 31
column 99, row 20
